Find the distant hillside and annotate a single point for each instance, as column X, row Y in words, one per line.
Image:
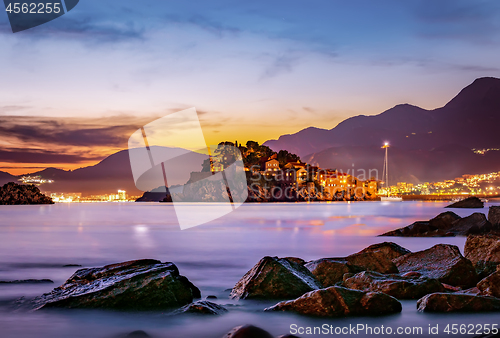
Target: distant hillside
column 418, row 138
column 6, row 178
column 111, row 174
column 469, row 120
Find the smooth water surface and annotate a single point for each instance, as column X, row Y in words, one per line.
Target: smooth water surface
column 38, row 241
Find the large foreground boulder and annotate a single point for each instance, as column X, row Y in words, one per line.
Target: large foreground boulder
column 398, row 286
column 437, row 227
column 442, row 262
column 470, row 202
column 484, row 253
column 136, row 285
column 457, row 302
column 339, row 302
column 490, row 286
column 275, row 278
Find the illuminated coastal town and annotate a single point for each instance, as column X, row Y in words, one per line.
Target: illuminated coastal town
column 479, row 184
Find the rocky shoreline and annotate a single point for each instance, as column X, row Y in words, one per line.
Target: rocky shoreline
column 370, row 282
column 450, row 224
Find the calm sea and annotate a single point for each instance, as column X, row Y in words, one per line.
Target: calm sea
column 38, row 241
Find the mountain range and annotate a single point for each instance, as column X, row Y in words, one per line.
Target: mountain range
column 426, row 145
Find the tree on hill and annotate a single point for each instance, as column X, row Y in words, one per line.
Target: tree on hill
column 13, row 194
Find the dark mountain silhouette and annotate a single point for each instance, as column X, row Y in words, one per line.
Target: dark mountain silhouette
column 469, row 120
column 6, row 178
column 426, row 144
column 111, row 174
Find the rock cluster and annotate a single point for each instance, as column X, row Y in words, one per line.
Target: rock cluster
column 450, row 224
column 14, row 194
column 336, row 301
column 371, row 281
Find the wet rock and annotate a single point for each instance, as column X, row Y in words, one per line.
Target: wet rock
column 472, row 291
column 28, row 281
column 211, row 297
column 247, row 331
column 449, row 288
column 389, row 249
column 484, row 253
column 296, row 260
column 490, row 286
column 275, row 278
column 470, row 202
column 203, row 307
column 473, row 224
column 494, row 215
column 394, row 285
column 329, row 271
column 437, row 227
column 139, row 285
column 457, row 302
column 442, row 262
column 376, row 261
column 339, row 302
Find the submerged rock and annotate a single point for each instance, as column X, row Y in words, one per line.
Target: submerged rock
column 28, row 281
column 442, row 262
column 203, row 307
column 138, row 334
column 275, row 278
column 139, row 285
column 437, row 227
column 484, row 253
column 247, row 331
column 394, row 285
column 457, row 302
column 339, row 302
column 490, row 286
column 470, row 202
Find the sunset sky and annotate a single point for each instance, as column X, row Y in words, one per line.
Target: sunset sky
column 74, row 89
